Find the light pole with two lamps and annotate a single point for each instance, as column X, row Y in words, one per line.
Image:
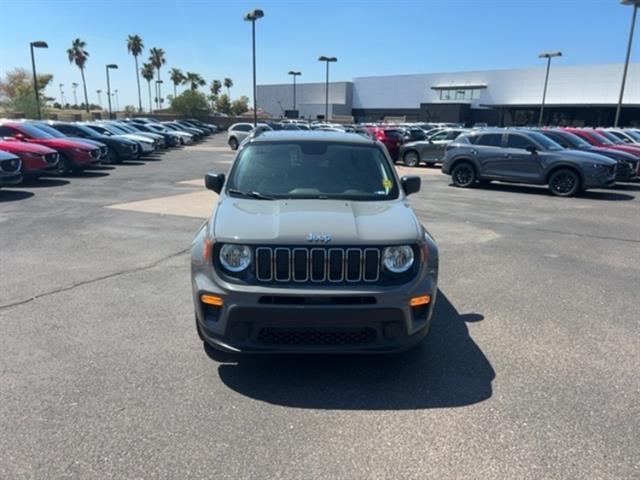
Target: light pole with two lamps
column 252, row 16
column 548, row 56
column 294, row 75
column 109, row 67
column 32, row 45
column 327, row 60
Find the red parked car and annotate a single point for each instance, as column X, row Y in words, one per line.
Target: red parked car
column 74, row 154
column 392, row 138
column 37, row 160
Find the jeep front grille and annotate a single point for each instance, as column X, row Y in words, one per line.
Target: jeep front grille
column 317, row 265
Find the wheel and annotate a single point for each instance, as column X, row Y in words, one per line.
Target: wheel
column 411, row 158
column 564, row 183
column 64, row 165
column 112, row 156
column 233, row 143
column 463, row 175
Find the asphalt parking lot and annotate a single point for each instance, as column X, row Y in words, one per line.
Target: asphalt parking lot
column 530, row 370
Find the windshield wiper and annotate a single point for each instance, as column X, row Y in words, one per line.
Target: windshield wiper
column 252, row 194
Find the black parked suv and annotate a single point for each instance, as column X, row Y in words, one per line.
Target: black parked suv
column 627, row 162
column 119, row 149
column 524, row 156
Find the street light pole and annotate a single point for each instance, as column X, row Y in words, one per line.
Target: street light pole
column 252, row 16
column 158, row 98
column 99, row 98
column 548, row 56
column 75, row 96
column 327, row 60
column 108, row 67
column 636, row 4
column 32, row 45
column 60, row 85
column 117, row 103
column 294, row 75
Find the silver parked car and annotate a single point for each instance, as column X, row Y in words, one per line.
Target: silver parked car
column 429, row 151
column 313, row 247
column 523, row 156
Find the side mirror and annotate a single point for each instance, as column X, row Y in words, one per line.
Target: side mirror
column 410, row 184
column 214, row 181
column 531, row 149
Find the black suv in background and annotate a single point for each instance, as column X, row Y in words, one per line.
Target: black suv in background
column 627, row 163
column 119, row 149
column 523, row 156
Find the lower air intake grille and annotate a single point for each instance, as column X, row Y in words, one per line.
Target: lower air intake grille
column 297, row 336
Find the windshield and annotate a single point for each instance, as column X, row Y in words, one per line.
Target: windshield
column 610, row 136
column 33, row 131
column 101, row 130
column 600, row 138
column 545, row 142
column 50, row 130
column 114, row 129
column 633, row 134
column 573, row 139
column 313, row 170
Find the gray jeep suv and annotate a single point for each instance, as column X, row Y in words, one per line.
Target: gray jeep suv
column 313, row 247
column 523, row 156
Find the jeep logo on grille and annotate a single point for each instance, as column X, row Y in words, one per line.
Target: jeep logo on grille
column 322, row 238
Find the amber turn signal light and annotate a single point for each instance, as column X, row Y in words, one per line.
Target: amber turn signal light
column 211, row 300
column 421, row 300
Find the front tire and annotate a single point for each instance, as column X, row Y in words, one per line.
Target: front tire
column 411, row 158
column 233, row 143
column 564, row 183
column 463, row 175
column 113, row 157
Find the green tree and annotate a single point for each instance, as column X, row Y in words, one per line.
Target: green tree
column 147, row 73
column 135, row 47
column 240, row 105
column 78, row 55
column 214, row 88
column 16, row 91
column 195, row 80
column 228, row 83
column 129, row 110
column 223, row 104
column 177, row 78
column 156, row 58
column 190, row 103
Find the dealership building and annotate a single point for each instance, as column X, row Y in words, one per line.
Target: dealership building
column 577, row 95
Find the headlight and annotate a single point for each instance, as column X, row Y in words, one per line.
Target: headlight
column 235, row 258
column 398, row 259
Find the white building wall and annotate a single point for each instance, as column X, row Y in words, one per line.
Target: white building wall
column 582, row 84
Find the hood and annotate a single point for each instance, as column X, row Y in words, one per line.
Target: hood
column 289, row 222
column 635, row 151
column 66, row 143
column 16, row 146
column 587, row 156
column 136, row 137
column 611, row 153
column 93, row 143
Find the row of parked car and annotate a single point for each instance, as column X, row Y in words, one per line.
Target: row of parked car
column 568, row 160
column 30, row 149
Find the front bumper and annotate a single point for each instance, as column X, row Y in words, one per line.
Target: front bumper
column 6, row 180
column 348, row 319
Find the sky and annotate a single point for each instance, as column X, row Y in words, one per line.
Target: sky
column 369, row 38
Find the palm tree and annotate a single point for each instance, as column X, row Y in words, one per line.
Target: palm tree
column 156, row 58
column 147, row 73
column 135, row 47
column 228, row 83
column 78, row 55
column 178, row 78
column 195, row 79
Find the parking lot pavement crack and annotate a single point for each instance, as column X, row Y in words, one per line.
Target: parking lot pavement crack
column 96, row 279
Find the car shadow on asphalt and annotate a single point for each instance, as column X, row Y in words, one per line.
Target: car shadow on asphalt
column 43, row 182
column 85, row 174
column 543, row 191
column 14, row 195
column 447, row 369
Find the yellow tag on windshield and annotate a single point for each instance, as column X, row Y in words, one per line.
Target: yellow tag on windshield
column 386, row 183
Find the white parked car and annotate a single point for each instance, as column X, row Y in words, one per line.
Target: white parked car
column 239, row 131
column 147, row 145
